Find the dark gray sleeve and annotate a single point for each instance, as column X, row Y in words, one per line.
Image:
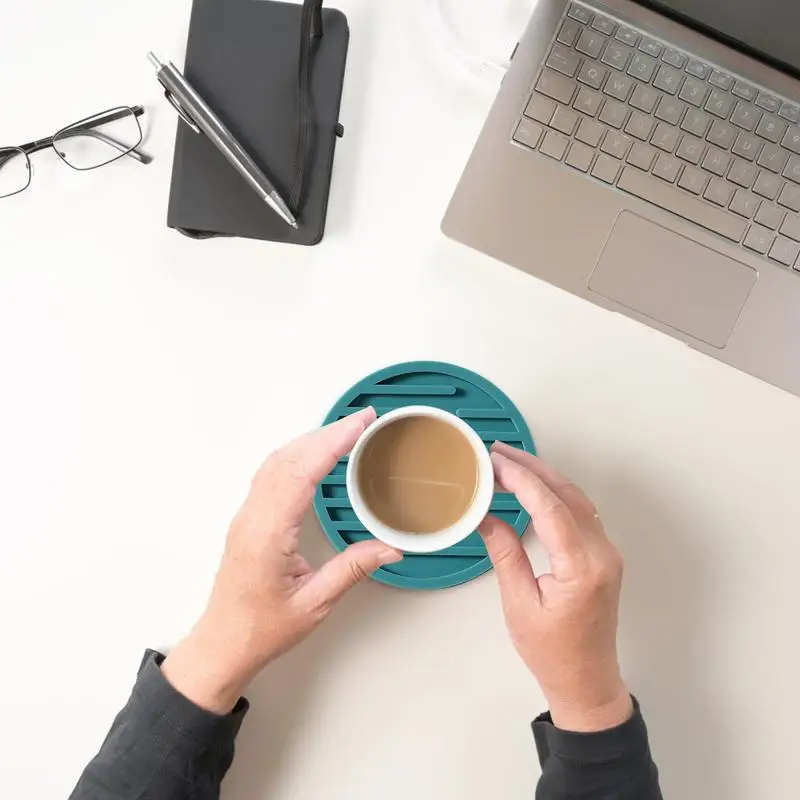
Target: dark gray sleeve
column 610, row 765
column 161, row 746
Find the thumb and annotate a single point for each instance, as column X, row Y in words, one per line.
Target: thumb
column 347, row 569
column 511, row 563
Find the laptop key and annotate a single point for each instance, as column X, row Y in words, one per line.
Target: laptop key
column 758, row 239
column 640, row 125
column 641, row 156
column 784, row 251
column 665, row 138
column 791, row 141
column 627, row 36
column 541, row 108
column 651, row 47
column 690, row 149
column 719, row 104
column 698, row 69
column 580, row 13
column 742, row 173
column 773, row 158
column 744, row 203
column 674, row 57
column 771, row 128
column 668, row 79
column 642, row 67
column 606, row 168
column 791, row 227
column 694, row 92
column 745, row 116
column 747, row 146
column 588, row 101
column 721, row 80
column 693, row 180
column 589, row 132
column 569, row 32
column 680, row 203
column 767, row 184
column 667, row 168
column 792, row 170
column 592, row 74
column 790, row 112
column 790, row 196
column 591, row 43
column 716, row 161
column 722, row 134
column 580, row 156
column 564, row 120
column 719, row 192
column 555, row 85
column 618, row 86
column 770, row 216
column 614, row 114
column 617, row 55
column 616, row 144
column 768, row 102
column 745, row 91
column 528, row 133
column 696, row 122
column 554, row 145
column 670, row 110
column 604, row 25
column 564, row 60
column 644, row 98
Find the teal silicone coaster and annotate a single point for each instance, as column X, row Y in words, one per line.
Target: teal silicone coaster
column 480, row 404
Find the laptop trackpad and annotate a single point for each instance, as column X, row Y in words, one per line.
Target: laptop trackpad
column 672, row 279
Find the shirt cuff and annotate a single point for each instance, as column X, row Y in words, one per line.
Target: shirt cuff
column 625, row 741
column 161, row 698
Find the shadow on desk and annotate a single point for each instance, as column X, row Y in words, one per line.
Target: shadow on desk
column 669, row 585
column 283, row 697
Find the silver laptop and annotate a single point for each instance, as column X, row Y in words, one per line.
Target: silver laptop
column 646, row 156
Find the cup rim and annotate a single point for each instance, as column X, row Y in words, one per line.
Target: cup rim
column 428, row 542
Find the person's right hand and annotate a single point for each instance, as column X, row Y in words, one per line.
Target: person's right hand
column 564, row 623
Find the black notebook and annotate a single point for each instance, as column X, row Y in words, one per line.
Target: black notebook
column 273, row 72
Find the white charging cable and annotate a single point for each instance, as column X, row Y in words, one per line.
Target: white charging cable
column 488, row 68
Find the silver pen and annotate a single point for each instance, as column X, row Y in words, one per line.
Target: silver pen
column 196, row 113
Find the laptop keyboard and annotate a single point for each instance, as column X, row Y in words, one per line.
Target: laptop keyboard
column 664, row 126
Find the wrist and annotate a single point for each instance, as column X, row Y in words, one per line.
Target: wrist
column 607, row 710
column 207, row 671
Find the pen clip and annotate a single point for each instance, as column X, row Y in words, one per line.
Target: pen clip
column 181, row 112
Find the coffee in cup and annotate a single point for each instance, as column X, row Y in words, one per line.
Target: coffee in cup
column 418, row 474
column 420, row 479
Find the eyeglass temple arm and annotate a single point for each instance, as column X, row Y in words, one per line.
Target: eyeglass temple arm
column 86, row 130
column 141, row 157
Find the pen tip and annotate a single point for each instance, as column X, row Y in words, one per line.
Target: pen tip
column 295, row 225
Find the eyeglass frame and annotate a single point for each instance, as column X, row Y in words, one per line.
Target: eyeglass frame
column 102, row 118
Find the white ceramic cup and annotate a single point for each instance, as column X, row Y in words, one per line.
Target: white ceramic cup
column 424, row 542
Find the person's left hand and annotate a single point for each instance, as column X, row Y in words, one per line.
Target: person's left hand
column 266, row 597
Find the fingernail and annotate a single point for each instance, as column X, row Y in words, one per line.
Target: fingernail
column 486, row 530
column 389, row 556
column 499, row 446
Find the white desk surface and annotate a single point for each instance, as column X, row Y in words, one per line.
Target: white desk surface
column 144, row 376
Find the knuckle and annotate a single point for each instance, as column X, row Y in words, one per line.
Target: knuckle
column 357, row 571
column 551, row 507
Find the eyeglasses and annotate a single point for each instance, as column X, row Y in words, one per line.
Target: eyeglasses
column 88, row 144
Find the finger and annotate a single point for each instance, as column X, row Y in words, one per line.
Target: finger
column 555, row 525
column 344, row 571
column 578, row 502
column 315, row 454
column 511, row 563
